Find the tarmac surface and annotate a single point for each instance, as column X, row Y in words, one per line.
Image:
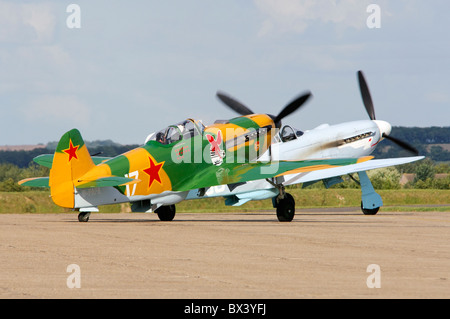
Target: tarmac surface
column 226, row 255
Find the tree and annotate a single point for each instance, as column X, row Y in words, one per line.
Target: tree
column 424, row 171
column 385, row 178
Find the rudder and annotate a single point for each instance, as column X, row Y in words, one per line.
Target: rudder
column 70, row 161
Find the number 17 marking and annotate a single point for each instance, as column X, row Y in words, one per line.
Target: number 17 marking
column 134, row 175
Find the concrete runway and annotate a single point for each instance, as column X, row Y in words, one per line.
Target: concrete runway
column 231, row 255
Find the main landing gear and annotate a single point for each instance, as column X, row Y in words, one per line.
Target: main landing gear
column 284, row 202
column 285, row 205
column 83, row 217
column 166, row 213
column 370, row 200
column 285, row 208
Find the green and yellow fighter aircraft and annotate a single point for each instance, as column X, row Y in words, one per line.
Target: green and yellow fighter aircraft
column 250, row 157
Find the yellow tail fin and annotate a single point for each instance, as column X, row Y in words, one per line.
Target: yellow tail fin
column 71, row 161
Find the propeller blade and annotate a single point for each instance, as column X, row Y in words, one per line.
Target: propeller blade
column 402, row 144
column 365, row 94
column 234, row 104
column 292, row 107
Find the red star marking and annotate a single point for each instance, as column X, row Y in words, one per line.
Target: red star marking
column 72, row 151
column 153, row 172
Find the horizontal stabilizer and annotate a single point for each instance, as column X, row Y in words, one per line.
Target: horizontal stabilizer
column 47, row 160
column 35, row 182
column 106, row 182
column 99, row 159
column 44, row 160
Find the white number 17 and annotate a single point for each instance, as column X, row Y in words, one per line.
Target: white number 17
column 134, row 175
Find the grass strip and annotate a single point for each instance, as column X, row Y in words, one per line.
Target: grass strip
column 394, row 200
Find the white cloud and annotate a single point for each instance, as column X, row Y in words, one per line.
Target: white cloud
column 30, row 58
column 297, row 15
column 27, row 22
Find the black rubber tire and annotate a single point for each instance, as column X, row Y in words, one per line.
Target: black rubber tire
column 367, row 211
column 83, row 217
column 166, row 213
column 286, row 208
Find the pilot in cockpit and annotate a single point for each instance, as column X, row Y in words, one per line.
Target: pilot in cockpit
column 160, row 138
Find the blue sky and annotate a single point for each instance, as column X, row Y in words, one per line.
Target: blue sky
column 135, row 67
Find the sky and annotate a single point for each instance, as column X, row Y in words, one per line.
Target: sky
column 120, row 70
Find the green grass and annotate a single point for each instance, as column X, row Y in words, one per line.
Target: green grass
column 28, row 202
column 417, row 208
column 394, row 200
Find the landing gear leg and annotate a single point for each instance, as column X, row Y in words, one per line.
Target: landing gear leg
column 371, row 201
column 284, row 203
column 166, row 213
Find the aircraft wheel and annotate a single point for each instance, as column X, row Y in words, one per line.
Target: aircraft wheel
column 367, row 211
column 166, row 213
column 83, row 217
column 286, row 208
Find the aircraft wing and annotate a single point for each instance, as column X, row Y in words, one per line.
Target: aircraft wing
column 250, row 190
column 296, row 176
column 232, row 173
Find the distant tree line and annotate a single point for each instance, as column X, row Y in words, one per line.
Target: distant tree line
column 423, row 135
column 423, row 139
column 23, row 159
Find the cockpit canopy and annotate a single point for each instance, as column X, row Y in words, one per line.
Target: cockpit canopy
column 174, row 133
column 288, row 133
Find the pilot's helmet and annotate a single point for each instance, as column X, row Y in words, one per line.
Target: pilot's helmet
column 159, row 136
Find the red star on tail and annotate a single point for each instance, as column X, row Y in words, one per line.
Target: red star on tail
column 71, row 151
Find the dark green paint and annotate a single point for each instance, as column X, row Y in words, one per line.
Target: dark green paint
column 72, row 135
column 244, row 122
